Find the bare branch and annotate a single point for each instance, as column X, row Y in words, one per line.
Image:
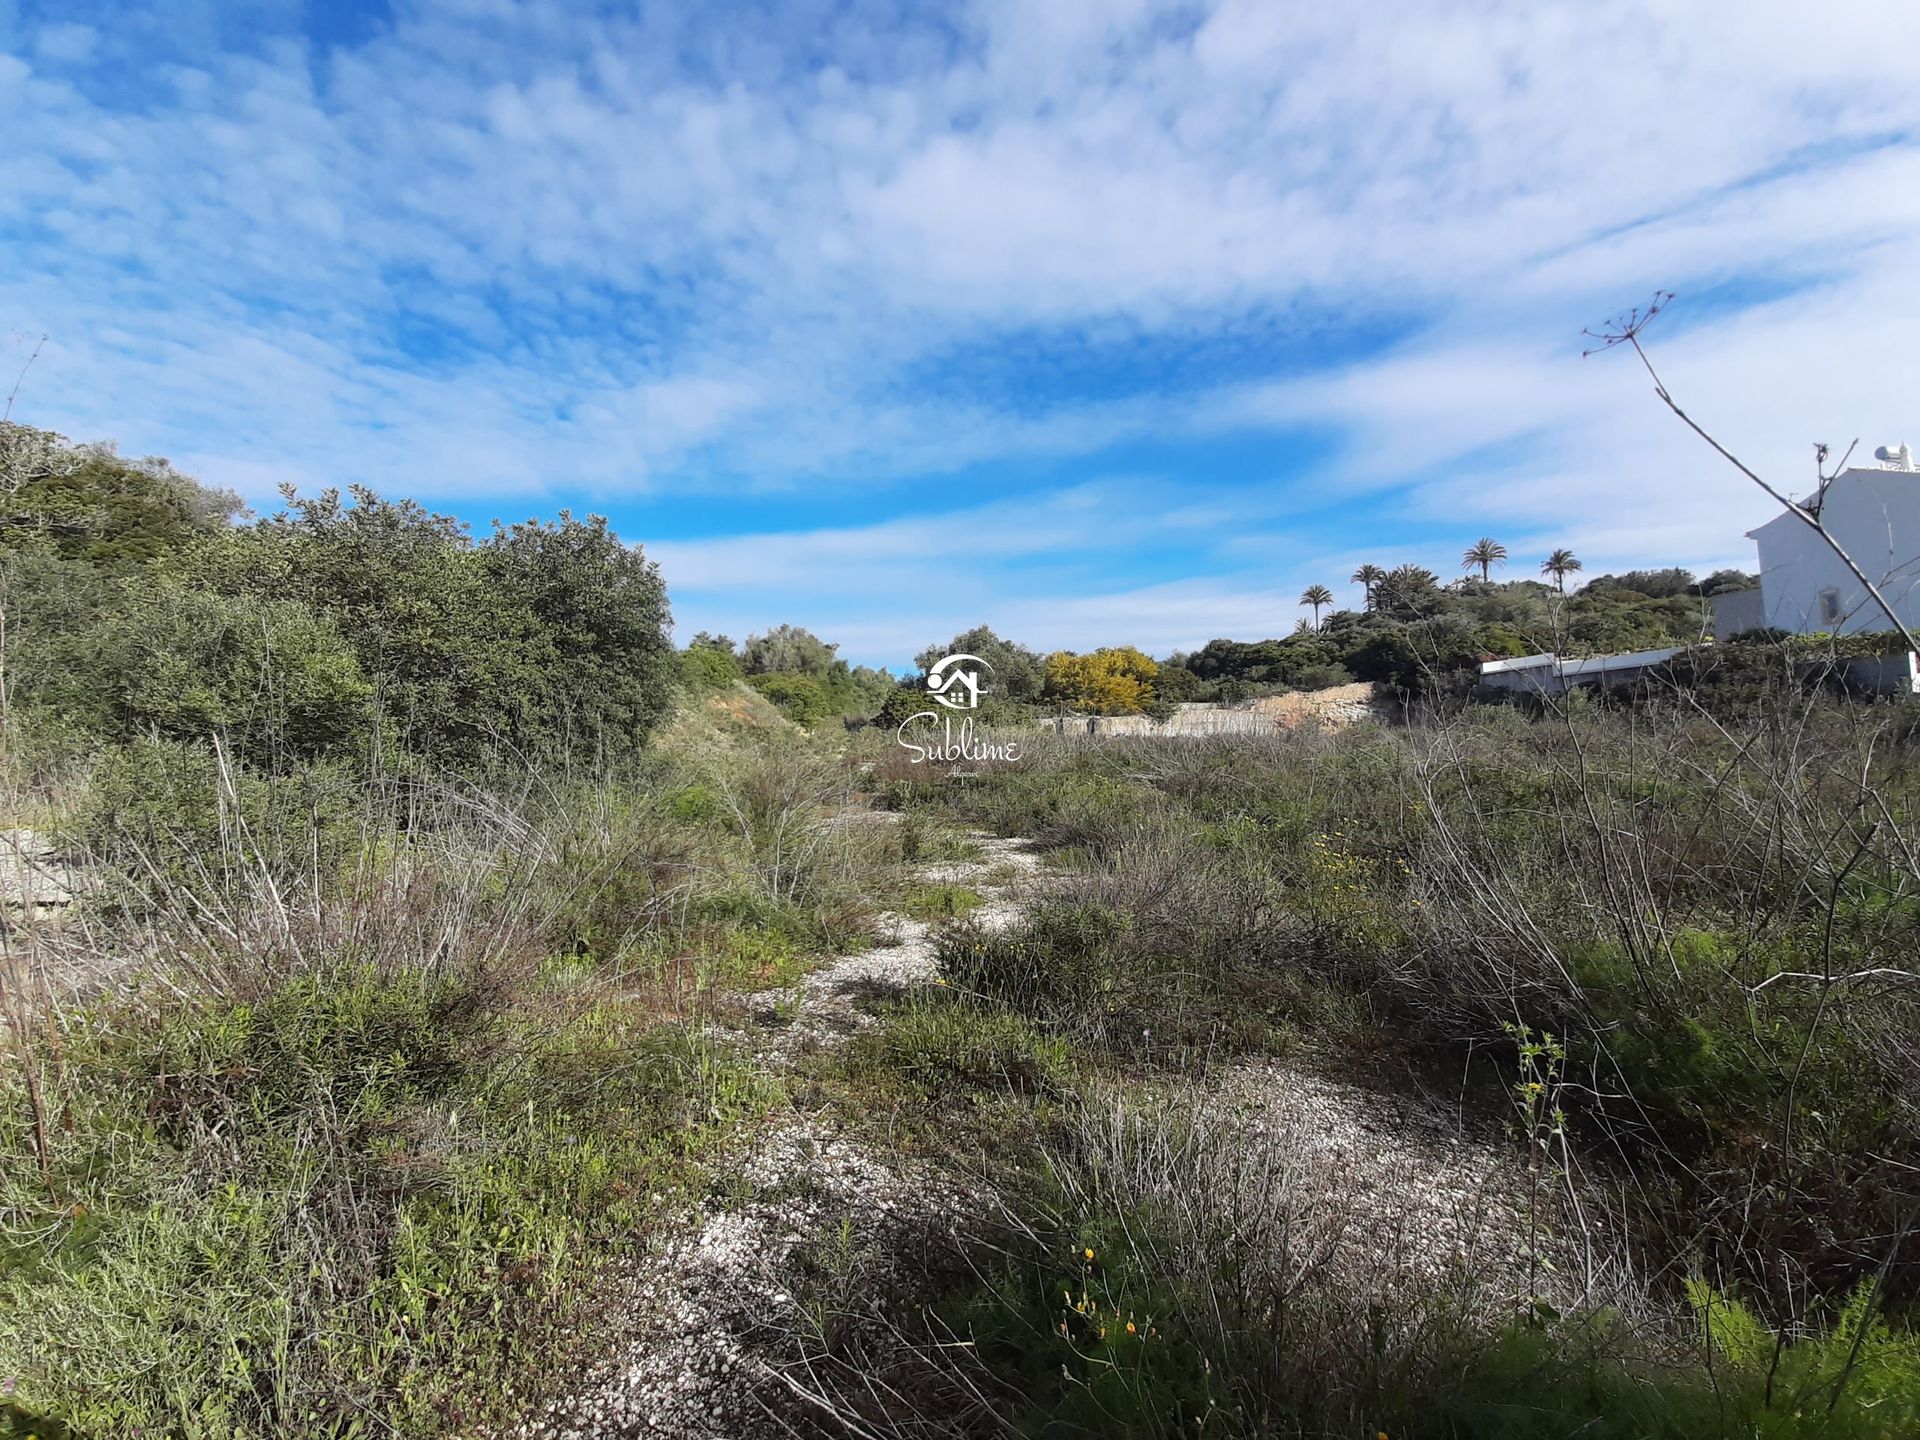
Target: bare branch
column 1626, row 330
column 14, row 393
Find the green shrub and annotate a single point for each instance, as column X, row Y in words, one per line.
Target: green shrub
column 941, row 901
column 166, row 811
column 801, row 698
column 944, row 1045
column 273, row 679
column 357, row 1201
column 704, row 669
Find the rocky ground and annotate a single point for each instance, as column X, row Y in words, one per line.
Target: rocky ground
column 1383, row 1188
column 34, row 880
column 701, row 1310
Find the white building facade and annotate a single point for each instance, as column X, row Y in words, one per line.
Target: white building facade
column 1874, row 512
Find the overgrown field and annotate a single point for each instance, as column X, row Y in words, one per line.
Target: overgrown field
column 1669, row 954
column 335, row 1128
column 342, row 1102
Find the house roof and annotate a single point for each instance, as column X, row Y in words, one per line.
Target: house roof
column 1525, row 662
column 1592, row 665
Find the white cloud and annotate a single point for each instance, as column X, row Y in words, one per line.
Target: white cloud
column 514, row 251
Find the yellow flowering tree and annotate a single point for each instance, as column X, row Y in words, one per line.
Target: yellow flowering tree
column 1116, row 681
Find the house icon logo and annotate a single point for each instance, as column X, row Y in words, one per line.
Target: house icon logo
column 956, row 681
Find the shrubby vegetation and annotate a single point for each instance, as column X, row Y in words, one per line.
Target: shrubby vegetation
column 417, row 866
column 1416, row 636
column 1670, row 943
column 1422, row 638
column 376, row 629
column 376, row 1030
column 795, row 669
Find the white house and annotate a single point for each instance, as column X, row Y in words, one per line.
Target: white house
column 1874, row 512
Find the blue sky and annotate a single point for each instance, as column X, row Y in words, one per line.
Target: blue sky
column 1101, row 323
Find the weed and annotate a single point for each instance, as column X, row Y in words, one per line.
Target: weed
column 941, row 900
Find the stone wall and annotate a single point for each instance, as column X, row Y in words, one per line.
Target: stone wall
column 1339, row 705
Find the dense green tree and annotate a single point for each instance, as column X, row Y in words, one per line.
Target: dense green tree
column 594, row 664
column 1721, row 582
column 801, row 698
column 404, row 588
column 869, row 686
column 85, row 502
column 273, row 681
column 1654, row 584
column 1254, row 661
column 906, row 699
column 791, row 650
column 708, row 667
column 1017, row 673
column 1423, row 636
column 548, row 639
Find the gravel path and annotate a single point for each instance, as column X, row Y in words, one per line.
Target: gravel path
column 1421, row 1198
column 692, row 1369
column 1396, row 1193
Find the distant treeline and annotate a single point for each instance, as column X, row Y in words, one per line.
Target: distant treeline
column 1417, row 635
column 378, row 634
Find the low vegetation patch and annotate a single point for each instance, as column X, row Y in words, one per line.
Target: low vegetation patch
column 948, row 1047
column 941, row 900
column 352, row 1204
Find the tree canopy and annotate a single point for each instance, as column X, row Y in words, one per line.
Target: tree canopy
column 340, row 624
column 1017, row 672
column 1114, row 681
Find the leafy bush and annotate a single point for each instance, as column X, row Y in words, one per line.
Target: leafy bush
column 274, row 680
column 546, row 640
column 86, row 503
column 801, row 698
column 703, row 668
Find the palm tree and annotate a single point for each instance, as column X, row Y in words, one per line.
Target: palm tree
column 1560, row 564
column 1407, row 592
column 1368, row 576
column 1316, row 596
column 1486, row 554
